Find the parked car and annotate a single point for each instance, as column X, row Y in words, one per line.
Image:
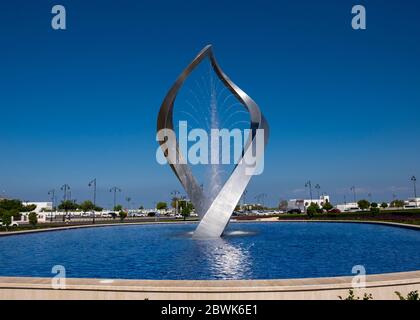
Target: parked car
column 178, row 216
column 107, row 214
column 13, row 224
column 335, row 210
column 295, row 211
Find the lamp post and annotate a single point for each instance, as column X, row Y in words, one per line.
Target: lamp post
column 370, row 197
column 413, row 178
column 93, row 184
column 175, row 194
column 52, row 194
column 309, row 185
column 264, row 196
column 318, row 187
column 115, row 190
column 353, row 188
column 244, row 198
column 128, row 199
column 260, row 199
column 65, row 188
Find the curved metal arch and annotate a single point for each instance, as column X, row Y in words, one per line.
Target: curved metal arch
column 213, row 221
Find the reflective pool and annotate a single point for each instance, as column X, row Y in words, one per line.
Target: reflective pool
column 247, row 251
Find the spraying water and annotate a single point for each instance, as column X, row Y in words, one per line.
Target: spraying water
column 215, row 172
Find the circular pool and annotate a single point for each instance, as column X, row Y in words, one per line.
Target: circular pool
column 247, row 251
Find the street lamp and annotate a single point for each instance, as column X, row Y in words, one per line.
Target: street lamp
column 318, row 187
column 413, row 178
column 264, row 196
column 128, row 199
column 244, row 198
column 309, row 185
column 65, row 188
column 353, row 188
column 174, row 195
column 115, row 190
column 93, row 183
column 260, row 199
column 52, row 193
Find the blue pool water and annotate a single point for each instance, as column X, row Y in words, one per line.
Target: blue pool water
column 248, row 251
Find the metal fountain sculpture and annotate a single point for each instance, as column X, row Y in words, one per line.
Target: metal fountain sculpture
column 214, row 213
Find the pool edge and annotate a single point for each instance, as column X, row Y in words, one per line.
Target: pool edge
column 381, row 286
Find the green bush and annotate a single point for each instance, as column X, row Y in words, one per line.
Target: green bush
column 312, row 209
column 352, row 296
column 122, row 215
column 185, row 212
column 33, row 218
column 374, row 210
column 6, row 219
column 327, row 206
column 397, row 204
column 412, row 295
column 363, row 204
column 161, row 205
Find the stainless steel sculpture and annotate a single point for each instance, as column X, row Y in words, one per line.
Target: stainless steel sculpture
column 214, row 213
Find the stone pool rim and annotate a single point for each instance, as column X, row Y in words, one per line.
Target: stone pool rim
column 382, row 286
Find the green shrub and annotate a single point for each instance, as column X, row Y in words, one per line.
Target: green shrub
column 363, row 204
column 312, row 209
column 33, row 218
column 122, row 215
column 374, row 210
column 352, row 296
column 6, row 219
column 327, row 206
column 412, row 295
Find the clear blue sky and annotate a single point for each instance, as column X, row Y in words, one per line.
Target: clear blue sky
column 343, row 105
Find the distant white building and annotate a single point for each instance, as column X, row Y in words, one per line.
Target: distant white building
column 349, row 206
column 40, row 206
column 412, row 203
column 39, row 210
column 303, row 204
